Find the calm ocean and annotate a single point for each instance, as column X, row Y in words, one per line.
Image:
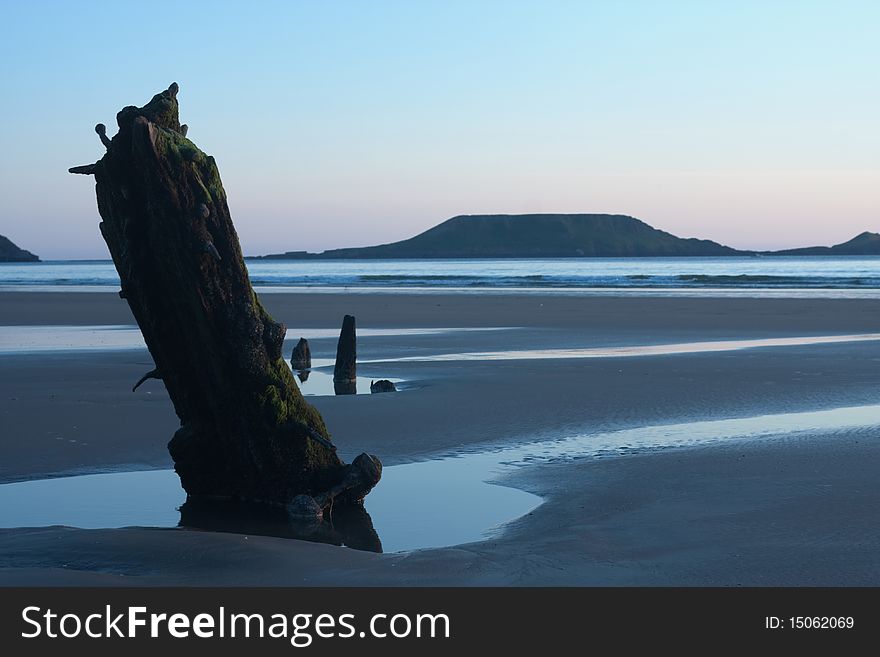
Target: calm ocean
column 836, row 276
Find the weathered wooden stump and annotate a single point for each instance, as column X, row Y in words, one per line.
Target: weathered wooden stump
column 345, row 371
column 301, row 358
column 246, row 432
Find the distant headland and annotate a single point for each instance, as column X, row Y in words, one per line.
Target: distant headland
column 559, row 236
column 863, row 244
column 9, row 252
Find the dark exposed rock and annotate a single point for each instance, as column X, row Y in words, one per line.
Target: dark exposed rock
column 382, row 385
column 346, row 352
column 246, row 431
column 301, row 358
column 303, row 375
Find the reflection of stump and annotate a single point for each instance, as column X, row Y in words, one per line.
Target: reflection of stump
column 345, row 387
column 345, row 372
column 246, row 432
column 382, row 385
column 303, row 376
column 301, row 358
column 351, row 526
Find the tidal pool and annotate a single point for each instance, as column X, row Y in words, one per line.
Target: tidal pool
column 320, row 382
column 445, row 501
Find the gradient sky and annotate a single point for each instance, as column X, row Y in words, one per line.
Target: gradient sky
column 353, row 123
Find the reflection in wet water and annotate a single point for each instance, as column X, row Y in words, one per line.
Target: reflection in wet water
column 635, row 350
column 414, row 506
column 105, row 337
column 346, row 387
column 319, row 382
column 446, row 501
column 348, row 526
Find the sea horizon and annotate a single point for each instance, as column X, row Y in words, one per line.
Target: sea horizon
column 815, row 275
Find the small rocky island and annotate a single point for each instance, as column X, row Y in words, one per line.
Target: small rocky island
column 560, row 236
column 532, row 236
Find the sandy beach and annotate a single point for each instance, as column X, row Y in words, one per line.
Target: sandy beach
column 794, row 509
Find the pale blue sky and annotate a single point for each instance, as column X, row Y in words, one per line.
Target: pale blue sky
column 352, row 123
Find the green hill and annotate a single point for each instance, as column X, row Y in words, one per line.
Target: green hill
column 533, row 236
column 9, row 252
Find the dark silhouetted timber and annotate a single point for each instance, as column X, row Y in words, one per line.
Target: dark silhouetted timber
column 345, row 371
column 246, row 431
column 301, row 358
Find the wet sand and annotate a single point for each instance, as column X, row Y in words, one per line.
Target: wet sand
column 791, row 511
column 587, row 314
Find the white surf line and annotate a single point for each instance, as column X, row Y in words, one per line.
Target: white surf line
column 687, row 292
column 636, row 350
column 677, row 292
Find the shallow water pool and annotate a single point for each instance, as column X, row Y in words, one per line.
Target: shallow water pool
column 445, row 501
